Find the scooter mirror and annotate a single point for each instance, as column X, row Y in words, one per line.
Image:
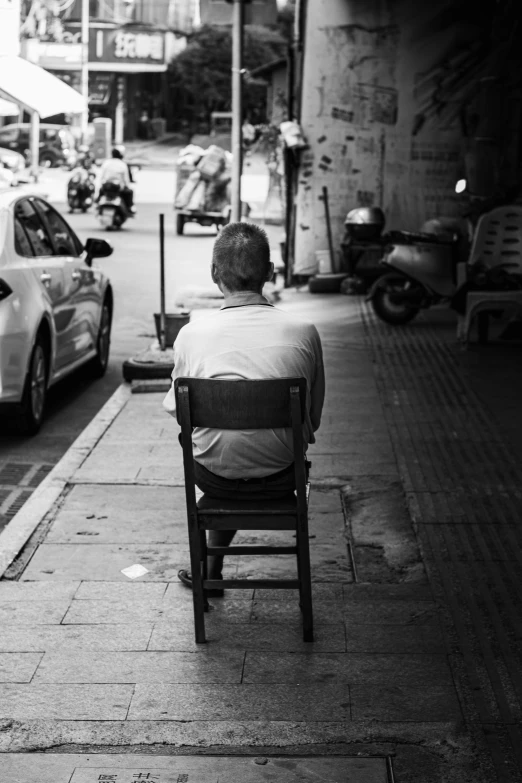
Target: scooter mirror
column 460, row 187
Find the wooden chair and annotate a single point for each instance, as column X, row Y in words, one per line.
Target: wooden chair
column 248, row 405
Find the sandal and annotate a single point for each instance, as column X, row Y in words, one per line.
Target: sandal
column 185, row 577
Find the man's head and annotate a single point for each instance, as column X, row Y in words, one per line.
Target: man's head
column 116, row 153
column 241, row 258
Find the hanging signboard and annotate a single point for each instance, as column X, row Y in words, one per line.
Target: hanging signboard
column 258, row 12
column 128, row 49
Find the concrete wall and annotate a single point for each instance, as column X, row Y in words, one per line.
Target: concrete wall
column 382, row 86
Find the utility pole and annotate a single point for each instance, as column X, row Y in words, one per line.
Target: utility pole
column 237, row 107
column 85, row 67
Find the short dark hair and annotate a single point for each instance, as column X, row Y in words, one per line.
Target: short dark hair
column 241, row 257
column 117, row 154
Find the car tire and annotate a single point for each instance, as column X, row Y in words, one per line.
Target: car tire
column 138, row 371
column 180, row 224
column 103, row 343
column 35, row 390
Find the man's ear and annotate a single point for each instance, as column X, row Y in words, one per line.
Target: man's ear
column 270, row 272
column 213, row 274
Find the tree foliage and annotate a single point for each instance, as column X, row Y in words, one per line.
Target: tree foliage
column 200, row 77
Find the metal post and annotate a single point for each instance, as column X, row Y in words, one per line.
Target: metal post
column 34, row 145
column 237, row 111
column 162, row 280
column 85, row 68
column 329, row 228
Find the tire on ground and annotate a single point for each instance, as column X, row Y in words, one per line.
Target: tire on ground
column 326, row 284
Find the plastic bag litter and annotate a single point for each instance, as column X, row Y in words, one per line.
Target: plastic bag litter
column 190, row 156
column 197, row 199
column 186, row 192
column 212, row 162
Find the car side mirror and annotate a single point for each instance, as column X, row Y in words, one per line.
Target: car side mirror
column 97, row 248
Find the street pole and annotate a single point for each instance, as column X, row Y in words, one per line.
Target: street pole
column 85, row 67
column 162, row 281
column 237, row 110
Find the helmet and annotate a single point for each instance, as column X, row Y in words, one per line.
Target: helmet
column 365, row 223
column 117, row 153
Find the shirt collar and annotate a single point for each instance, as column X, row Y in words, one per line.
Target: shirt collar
column 244, row 298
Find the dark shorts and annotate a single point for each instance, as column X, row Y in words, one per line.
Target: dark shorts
column 274, row 487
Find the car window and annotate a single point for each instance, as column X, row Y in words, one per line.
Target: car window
column 34, row 228
column 23, row 246
column 65, row 240
column 7, row 135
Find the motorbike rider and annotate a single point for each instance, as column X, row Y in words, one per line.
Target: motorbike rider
column 115, row 169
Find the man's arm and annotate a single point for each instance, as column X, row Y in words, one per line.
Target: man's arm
column 181, row 370
column 318, row 390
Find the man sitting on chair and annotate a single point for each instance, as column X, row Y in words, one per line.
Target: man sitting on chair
column 249, row 339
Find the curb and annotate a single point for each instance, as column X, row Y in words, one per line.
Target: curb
column 21, row 527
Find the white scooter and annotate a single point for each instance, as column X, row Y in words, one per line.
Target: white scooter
column 420, row 272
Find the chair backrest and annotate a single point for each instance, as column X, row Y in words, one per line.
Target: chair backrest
column 498, row 238
column 240, row 405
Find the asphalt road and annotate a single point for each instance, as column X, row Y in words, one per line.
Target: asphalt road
column 134, row 270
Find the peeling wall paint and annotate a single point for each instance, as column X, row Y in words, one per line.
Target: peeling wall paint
column 375, row 112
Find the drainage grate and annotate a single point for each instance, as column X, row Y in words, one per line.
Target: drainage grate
column 17, row 503
column 40, row 474
column 13, row 473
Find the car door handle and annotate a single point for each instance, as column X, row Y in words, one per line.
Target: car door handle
column 46, row 278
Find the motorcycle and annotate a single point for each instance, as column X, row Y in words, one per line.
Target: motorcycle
column 80, row 191
column 112, row 209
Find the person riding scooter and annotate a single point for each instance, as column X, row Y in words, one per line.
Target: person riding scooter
column 116, row 170
column 80, row 188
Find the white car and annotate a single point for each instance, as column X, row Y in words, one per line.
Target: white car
column 55, row 306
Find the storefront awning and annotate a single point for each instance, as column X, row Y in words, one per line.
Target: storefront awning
column 34, row 89
column 8, row 109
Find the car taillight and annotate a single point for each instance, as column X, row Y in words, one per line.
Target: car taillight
column 5, row 290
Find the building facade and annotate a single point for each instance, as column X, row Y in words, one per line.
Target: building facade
column 398, row 100
column 130, row 45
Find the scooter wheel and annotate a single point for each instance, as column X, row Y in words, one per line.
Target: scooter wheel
column 385, row 308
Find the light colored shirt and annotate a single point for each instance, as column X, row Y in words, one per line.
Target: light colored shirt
column 114, row 169
column 251, row 340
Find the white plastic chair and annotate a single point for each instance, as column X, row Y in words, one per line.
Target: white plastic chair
column 497, row 240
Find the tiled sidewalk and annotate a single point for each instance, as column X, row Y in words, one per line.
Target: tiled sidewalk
column 462, row 474
column 92, row 662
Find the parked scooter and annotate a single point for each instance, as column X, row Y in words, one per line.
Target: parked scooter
column 80, row 190
column 112, row 209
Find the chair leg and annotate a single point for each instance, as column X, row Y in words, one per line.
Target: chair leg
column 198, row 597
column 305, row 580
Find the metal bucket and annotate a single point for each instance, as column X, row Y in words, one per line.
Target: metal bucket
column 173, row 323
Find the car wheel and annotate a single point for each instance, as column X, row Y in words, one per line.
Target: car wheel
column 35, row 391
column 103, row 343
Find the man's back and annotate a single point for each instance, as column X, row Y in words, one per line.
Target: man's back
column 250, row 341
column 114, row 169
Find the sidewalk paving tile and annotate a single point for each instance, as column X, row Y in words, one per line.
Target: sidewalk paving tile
column 240, row 702
column 321, row 591
column 408, row 591
column 289, row 611
column 58, row 768
column 353, row 668
column 118, row 591
column 328, row 564
column 134, row 667
column 65, row 702
column 105, row 562
column 87, row 612
column 18, row 666
column 32, row 613
column 255, row 636
column 393, row 702
column 69, row 637
column 385, row 612
column 121, row 514
column 344, row 466
column 394, row 638
column 37, row 591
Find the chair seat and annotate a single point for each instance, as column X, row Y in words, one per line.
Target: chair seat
column 288, row 503
column 247, row 514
